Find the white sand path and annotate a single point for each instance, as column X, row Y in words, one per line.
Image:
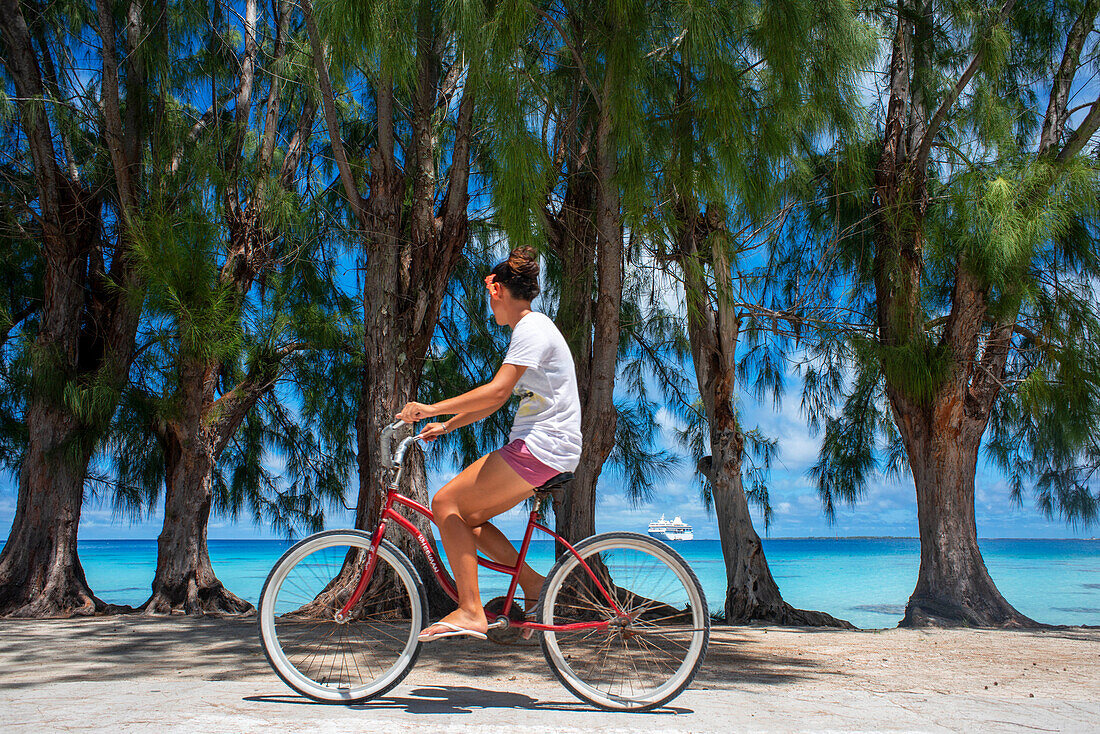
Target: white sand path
column 123, row 674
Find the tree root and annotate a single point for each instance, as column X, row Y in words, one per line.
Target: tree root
column 190, row 599
column 786, row 615
column 926, row 611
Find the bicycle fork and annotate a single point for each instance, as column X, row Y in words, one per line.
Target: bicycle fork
column 344, row 613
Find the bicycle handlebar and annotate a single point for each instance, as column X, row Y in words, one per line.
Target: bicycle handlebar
column 391, row 458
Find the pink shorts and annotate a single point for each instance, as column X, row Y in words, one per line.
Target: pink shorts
column 530, row 469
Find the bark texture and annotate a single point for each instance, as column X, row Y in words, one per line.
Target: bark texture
column 714, row 329
column 185, row 580
column 40, row 572
column 196, row 436
column 953, row 584
column 193, row 440
column 586, row 236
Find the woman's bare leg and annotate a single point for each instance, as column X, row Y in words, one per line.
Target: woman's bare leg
column 495, row 545
column 481, row 491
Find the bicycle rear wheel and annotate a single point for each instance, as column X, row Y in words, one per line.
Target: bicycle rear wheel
column 651, row 649
column 341, row 662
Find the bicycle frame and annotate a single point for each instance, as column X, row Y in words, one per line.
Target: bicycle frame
column 393, row 497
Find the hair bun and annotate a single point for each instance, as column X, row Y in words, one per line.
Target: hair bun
column 520, row 273
column 524, row 262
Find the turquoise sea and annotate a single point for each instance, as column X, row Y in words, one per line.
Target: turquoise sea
column 864, row 580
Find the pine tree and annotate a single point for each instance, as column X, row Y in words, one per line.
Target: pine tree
column 84, row 145
column 585, row 65
column 963, row 233
column 429, row 69
column 226, row 385
column 214, row 347
column 734, row 103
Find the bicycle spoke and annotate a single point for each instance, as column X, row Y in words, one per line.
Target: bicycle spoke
column 649, row 652
column 341, row 657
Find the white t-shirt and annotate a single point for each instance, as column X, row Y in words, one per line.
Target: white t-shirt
column 548, row 418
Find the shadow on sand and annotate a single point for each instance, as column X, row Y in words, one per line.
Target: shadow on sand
column 227, row 649
column 458, row 700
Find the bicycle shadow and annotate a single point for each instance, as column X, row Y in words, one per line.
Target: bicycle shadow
column 459, row 700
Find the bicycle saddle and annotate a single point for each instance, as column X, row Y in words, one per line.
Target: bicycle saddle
column 555, row 487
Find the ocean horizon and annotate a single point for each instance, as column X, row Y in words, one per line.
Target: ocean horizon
column 863, row 579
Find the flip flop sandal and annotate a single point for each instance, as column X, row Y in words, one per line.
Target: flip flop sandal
column 453, row 631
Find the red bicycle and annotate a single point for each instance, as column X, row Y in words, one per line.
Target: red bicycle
column 623, row 621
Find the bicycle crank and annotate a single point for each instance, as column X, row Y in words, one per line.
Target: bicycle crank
column 501, row 628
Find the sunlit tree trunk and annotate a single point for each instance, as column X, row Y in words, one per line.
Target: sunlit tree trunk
column 185, row 580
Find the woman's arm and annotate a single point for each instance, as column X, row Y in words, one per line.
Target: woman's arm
column 486, row 399
column 465, row 419
column 432, row 431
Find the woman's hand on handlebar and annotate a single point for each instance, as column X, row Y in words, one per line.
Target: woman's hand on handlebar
column 412, row 412
column 432, row 431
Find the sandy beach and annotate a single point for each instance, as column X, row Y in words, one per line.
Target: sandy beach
column 209, row 675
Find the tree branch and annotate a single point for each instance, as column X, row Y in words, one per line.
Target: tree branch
column 22, row 64
column 457, row 196
column 921, row 160
column 1056, row 116
column 1077, row 139
column 297, row 144
column 328, row 104
column 229, row 410
column 112, row 117
column 242, row 109
column 267, row 150
column 201, row 124
column 575, row 53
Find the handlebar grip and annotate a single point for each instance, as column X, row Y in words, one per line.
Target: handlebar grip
column 387, row 443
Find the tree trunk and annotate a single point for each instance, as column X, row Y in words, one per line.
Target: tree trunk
column 574, row 242
column 752, row 595
column 184, row 582
column 411, row 247
column 379, row 402
column 953, row 586
column 596, row 342
column 40, row 573
column 714, row 331
column 403, row 290
column 87, row 326
column 941, row 415
column 942, row 420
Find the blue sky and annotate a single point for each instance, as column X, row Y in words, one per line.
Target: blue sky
column 889, row 507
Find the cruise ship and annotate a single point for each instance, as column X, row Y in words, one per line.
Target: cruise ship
column 671, row 529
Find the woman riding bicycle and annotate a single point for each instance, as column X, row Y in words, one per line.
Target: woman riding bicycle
column 545, row 441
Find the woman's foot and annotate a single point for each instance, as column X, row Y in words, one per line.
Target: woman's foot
column 531, row 604
column 458, row 623
column 532, row 587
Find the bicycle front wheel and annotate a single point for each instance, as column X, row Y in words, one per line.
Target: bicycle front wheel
column 349, row 661
column 652, row 645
